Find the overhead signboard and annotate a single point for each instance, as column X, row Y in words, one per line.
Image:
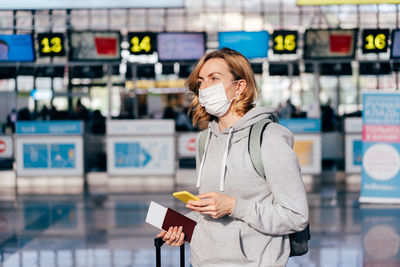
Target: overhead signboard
column 345, row 2
column 326, row 44
column 49, row 128
column 395, row 53
column 16, row 48
column 142, row 43
column 250, row 44
column 181, row 46
column 95, row 45
column 285, row 42
column 88, row 4
column 51, row 44
column 375, row 40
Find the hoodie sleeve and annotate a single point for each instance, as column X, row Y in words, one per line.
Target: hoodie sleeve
column 288, row 211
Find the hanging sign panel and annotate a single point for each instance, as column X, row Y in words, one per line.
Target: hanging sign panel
column 95, row 46
column 325, row 44
column 381, row 148
column 141, row 43
column 375, row 40
column 16, row 48
column 51, row 44
column 395, row 53
column 250, row 44
column 181, row 46
column 285, row 42
column 88, row 4
column 345, row 2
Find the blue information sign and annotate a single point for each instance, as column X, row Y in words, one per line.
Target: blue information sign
column 63, row 156
column 49, row 127
column 302, row 125
column 35, row 156
column 250, row 44
column 131, row 155
column 357, row 152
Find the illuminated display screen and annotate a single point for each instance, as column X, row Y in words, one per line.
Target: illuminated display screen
column 285, row 42
column 51, row 44
column 322, row 44
column 375, row 40
column 250, row 44
column 180, row 46
column 396, row 44
column 16, row 48
column 94, row 46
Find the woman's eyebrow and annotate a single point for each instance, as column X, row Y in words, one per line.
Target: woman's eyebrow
column 215, row 72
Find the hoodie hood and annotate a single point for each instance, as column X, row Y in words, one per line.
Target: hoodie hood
column 240, row 129
column 235, row 133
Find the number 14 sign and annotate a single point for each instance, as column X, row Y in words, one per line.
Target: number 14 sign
column 141, row 43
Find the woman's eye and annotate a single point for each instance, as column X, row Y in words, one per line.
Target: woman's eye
column 214, row 78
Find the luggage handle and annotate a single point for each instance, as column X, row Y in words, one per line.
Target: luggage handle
column 158, row 242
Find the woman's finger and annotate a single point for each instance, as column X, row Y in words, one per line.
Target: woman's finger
column 162, row 233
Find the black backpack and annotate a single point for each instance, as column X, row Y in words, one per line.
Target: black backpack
column 298, row 240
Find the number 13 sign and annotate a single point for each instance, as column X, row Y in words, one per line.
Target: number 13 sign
column 51, row 44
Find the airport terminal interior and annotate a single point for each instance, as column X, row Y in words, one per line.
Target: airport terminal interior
column 95, row 122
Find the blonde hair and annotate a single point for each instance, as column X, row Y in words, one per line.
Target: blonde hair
column 240, row 69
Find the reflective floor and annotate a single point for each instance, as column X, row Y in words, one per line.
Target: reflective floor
column 108, row 229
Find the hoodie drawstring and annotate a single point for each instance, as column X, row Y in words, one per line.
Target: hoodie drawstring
column 204, row 156
column 223, row 165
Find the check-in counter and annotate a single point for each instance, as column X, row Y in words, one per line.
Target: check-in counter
column 141, row 147
column 353, row 145
column 49, row 148
column 307, row 143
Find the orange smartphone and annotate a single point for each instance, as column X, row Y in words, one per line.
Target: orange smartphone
column 185, row 196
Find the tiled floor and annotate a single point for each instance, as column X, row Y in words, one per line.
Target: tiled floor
column 108, row 229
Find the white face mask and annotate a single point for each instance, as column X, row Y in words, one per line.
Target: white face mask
column 214, row 100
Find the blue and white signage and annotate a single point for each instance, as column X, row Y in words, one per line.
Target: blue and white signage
column 381, row 148
column 49, row 128
column 140, row 127
column 141, row 155
column 53, row 156
column 302, row 125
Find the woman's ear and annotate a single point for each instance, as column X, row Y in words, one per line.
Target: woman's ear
column 242, row 86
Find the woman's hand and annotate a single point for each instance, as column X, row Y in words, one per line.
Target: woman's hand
column 174, row 237
column 213, row 203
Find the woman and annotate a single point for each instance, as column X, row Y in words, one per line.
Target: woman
column 242, row 219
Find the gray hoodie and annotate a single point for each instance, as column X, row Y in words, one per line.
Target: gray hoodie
column 266, row 210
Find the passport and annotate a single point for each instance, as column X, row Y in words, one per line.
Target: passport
column 163, row 218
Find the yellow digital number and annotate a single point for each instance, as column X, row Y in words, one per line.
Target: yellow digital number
column 288, row 43
column 55, row 47
column 279, row 43
column 56, row 44
column 46, row 46
column 137, row 46
column 375, row 42
column 380, row 41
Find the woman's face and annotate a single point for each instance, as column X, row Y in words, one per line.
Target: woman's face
column 216, row 71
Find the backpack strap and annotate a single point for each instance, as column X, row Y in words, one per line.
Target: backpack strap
column 202, row 143
column 255, row 140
